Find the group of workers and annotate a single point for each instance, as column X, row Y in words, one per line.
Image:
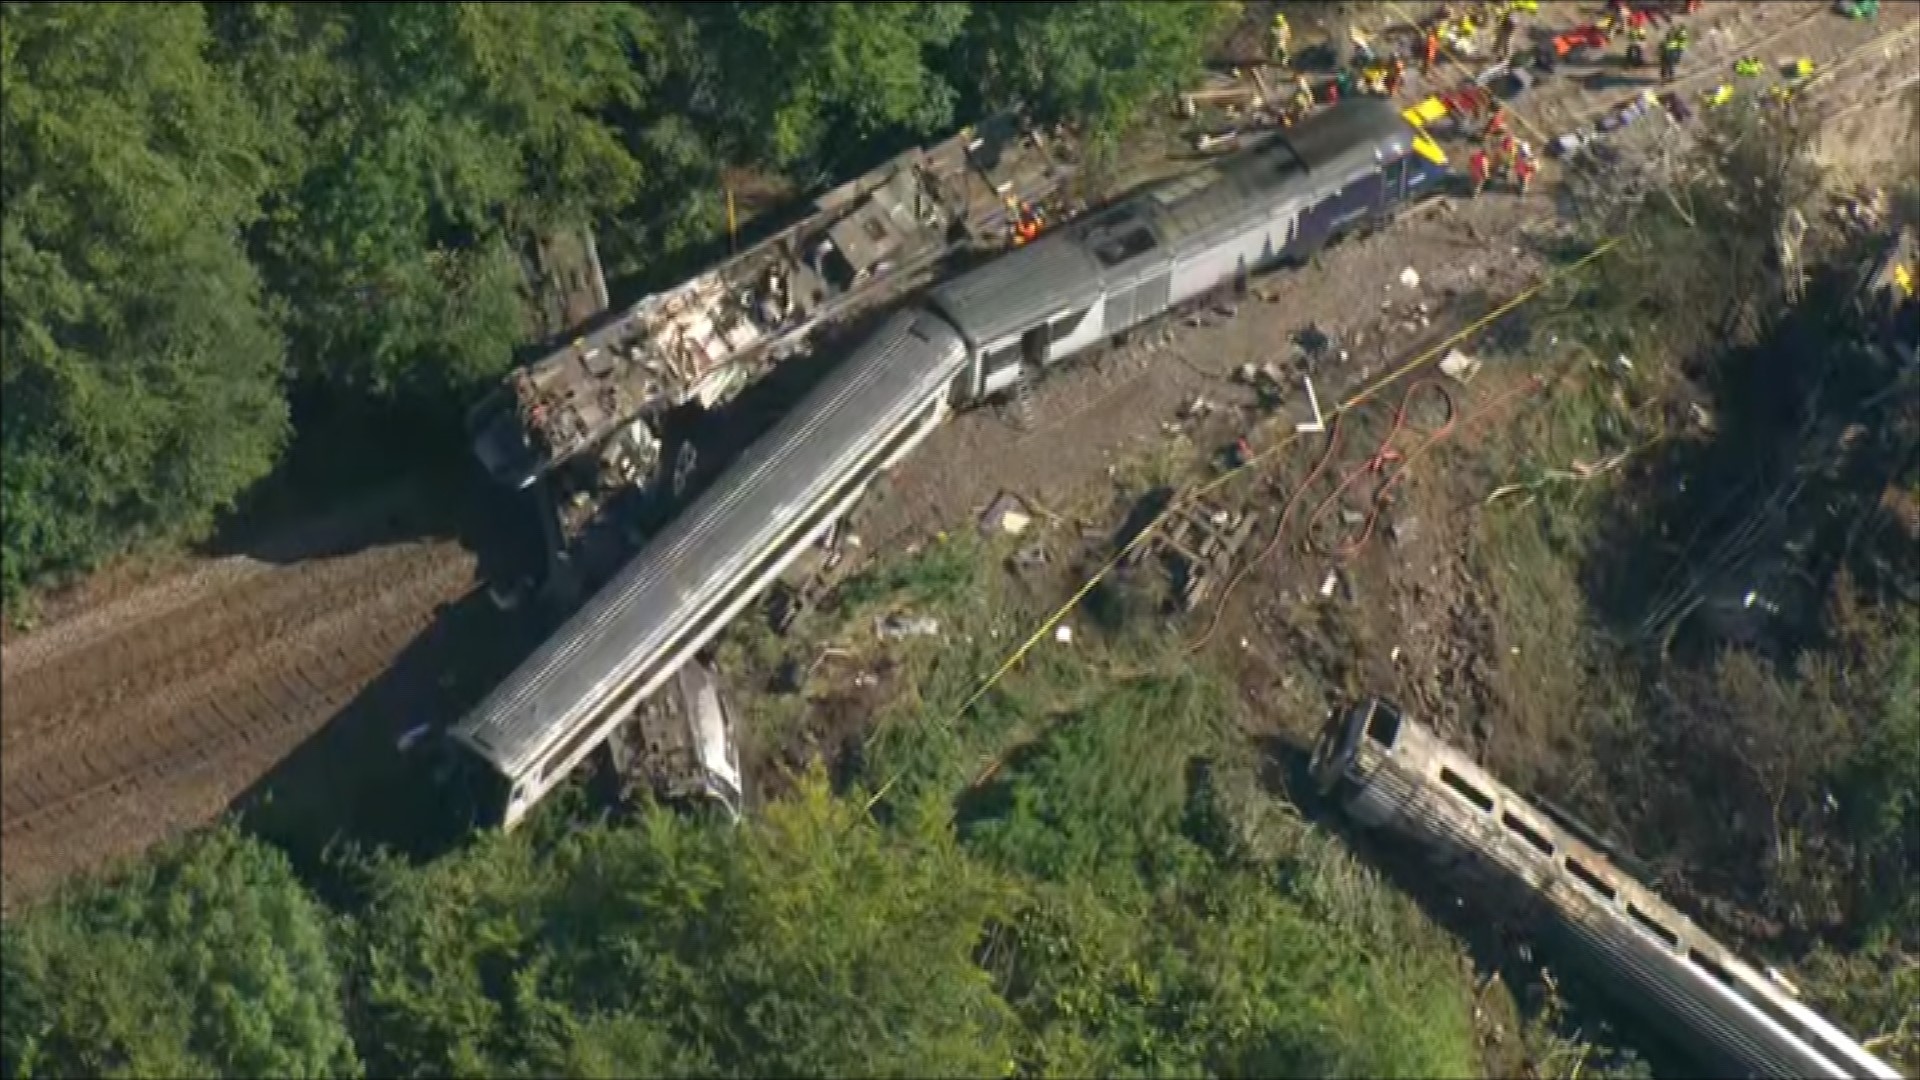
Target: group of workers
column 1502, row 154
column 1454, row 31
column 1622, row 14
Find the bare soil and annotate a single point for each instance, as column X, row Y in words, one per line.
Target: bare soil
column 153, row 711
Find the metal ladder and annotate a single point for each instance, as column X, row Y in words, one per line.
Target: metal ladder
column 1020, row 410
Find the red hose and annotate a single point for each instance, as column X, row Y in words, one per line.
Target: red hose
column 1378, row 462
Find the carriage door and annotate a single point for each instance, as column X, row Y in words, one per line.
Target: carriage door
column 1396, row 180
column 998, row 368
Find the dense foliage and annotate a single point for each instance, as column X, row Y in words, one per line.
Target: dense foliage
column 208, row 959
column 209, row 207
column 139, row 367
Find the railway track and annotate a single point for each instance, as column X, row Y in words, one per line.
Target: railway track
column 133, row 729
column 329, row 638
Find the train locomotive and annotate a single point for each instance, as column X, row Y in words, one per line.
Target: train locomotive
column 1390, row 773
column 975, row 336
column 1343, row 171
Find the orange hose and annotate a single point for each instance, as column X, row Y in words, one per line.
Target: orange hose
column 1376, row 463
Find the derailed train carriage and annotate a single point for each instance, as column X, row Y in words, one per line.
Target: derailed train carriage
column 1390, row 773
column 976, row 336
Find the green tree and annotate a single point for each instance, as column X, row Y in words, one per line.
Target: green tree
column 1098, row 65
column 139, row 371
column 418, row 145
column 808, row 943
column 803, row 79
column 1158, row 941
column 208, row 959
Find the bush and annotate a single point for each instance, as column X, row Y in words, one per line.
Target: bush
column 208, row 959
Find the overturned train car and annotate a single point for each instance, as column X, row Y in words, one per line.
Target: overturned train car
column 1390, row 773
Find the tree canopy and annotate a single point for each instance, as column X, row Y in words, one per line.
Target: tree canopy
column 207, row 959
column 139, row 364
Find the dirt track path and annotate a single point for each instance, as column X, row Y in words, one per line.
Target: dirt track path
column 152, row 712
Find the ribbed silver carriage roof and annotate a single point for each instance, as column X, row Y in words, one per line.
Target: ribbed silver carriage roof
column 899, row 370
column 1017, row 290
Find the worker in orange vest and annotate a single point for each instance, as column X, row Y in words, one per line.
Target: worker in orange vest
column 1431, row 52
column 1477, row 171
column 1506, row 153
column 1524, row 168
column 1496, row 124
column 1396, row 77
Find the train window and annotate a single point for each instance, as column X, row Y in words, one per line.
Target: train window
column 1396, row 178
column 1067, row 325
column 1465, row 789
column 1588, row 878
column 1653, row 926
column 1004, row 356
column 1112, row 251
column 1383, row 726
column 1709, row 965
column 1528, row 833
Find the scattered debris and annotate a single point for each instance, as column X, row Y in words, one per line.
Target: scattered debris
column 1008, row 513
column 1623, row 361
column 1410, row 278
column 1196, row 408
column 1459, row 367
column 1031, row 557
column 1312, row 340
column 411, row 738
column 1208, row 143
column 1198, row 544
column 1063, row 634
column 1327, row 586
column 900, row 627
column 1318, row 423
